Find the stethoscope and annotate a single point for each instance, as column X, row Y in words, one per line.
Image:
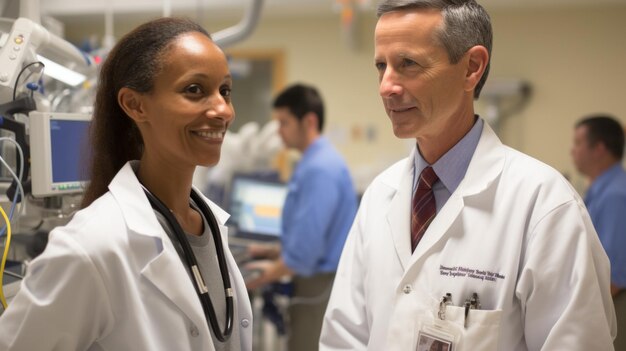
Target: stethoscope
column 191, row 262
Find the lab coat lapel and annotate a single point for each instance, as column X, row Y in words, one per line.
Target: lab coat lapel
column 399, row 215
column 438, row 227
column 163, row 267
column 484, row 168
column 167, row 274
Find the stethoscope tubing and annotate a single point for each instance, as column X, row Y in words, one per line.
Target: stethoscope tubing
column 192, row 264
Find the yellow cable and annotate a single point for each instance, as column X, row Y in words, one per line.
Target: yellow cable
column 4, row 257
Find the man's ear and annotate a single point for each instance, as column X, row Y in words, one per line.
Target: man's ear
column 131, row 102
column 311, row 120
column 599, row 149
column 478, row 58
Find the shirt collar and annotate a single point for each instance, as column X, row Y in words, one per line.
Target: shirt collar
column 316, row 145
column 451, row 167
column 602, row 181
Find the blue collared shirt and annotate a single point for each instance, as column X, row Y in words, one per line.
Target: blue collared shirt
column 451, row 167
column 318, row 211
column 606, row 202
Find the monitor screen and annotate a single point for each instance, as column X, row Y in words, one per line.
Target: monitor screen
column 59, row 152
column 256, row 206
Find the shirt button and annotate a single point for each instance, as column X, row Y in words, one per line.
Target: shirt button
column 407, row 289
column 245, row 323
column 193, row 330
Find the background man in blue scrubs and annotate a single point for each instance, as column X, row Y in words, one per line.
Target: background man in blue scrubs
column 597, row 153
column 317, row 215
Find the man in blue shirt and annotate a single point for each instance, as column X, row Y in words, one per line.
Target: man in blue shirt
column 317, row 215
column 597, row 153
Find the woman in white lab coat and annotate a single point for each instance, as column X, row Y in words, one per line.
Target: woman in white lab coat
column 113, row 279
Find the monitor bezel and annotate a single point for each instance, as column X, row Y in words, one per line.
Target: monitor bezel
column 234, row 228
column 41, row 154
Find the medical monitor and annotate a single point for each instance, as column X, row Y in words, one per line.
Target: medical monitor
column 255, row 206
column 59, row 152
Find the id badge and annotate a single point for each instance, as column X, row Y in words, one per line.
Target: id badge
column 437, row 337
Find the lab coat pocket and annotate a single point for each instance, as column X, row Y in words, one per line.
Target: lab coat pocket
column 479, row 332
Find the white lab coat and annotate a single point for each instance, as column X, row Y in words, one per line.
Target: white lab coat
column 112, row 280
column 512, row 216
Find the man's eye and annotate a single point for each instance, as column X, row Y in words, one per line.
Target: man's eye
column 380, row 66
column 408, row 62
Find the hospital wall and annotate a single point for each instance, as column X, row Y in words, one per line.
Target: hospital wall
column 572, row 56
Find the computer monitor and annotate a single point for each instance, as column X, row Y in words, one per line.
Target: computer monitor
column 59, row 151
column 255, row 206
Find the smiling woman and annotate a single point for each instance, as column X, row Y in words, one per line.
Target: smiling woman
column 183, row 119
column 140, row 255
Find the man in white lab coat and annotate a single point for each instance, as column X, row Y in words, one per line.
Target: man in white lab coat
column 496, row 251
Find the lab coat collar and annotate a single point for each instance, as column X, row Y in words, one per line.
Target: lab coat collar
column 165, row 270
column 484, row 169
column 136, row 209
column 486, row 165
column 398, row 217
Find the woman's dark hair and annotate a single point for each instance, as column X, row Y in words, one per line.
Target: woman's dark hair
column 134, row 62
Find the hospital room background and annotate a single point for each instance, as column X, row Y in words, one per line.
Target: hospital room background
column 553, row 62
column 570, row 53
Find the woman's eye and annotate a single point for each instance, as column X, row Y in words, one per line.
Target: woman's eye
column 225, row 91
column 194, row 89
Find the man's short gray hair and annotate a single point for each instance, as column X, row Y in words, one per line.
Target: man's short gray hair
column 465, row 24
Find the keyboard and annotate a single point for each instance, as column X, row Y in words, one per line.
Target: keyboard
column 239, row 251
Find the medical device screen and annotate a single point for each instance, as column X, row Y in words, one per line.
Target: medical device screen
column 60, row 152
column 67, row 139
column 255, row 207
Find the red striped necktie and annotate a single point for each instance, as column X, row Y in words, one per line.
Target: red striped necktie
column 423, row 206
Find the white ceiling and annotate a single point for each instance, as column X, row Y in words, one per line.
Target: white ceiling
column 87, row 11
column 70, row 8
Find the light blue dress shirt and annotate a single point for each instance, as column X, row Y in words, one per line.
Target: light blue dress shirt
column 606, row 202
column 451, row 167
column 318, row 211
